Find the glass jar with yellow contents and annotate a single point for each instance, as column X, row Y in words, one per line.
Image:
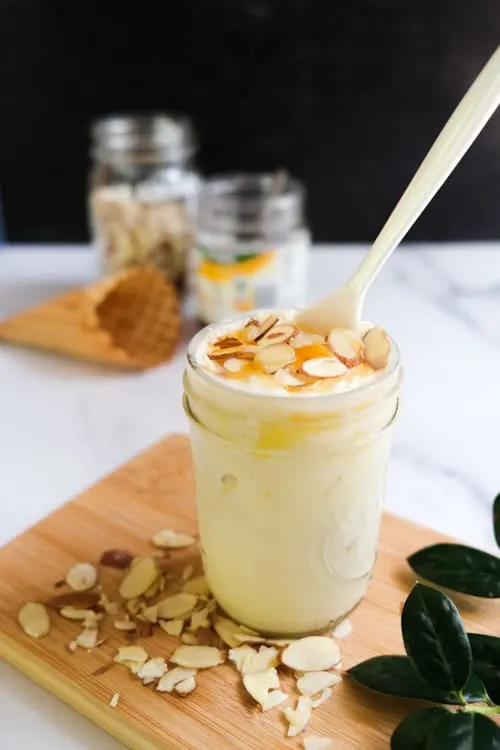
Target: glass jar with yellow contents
column 252, row 245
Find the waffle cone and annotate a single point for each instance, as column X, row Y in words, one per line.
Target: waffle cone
column 131, row 320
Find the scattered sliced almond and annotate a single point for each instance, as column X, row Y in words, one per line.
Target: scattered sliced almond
column 170, row 539
column 189, row 638
column 259, row 661
column 150, row 613
column 92, row 619
column 238, row 655
column 325, row 694
column 200, row 619
column 116, row 558
column 226, row 630
column 155, row 588
column 187, row 573
column 343, row 630
column 316, row 743
column 275, row 357
column 73, row 613
column 274, row 698
column 34, row 619
column 81, row 577
column 279, row 334
column 111, row 608
column 346, row 345
column 186, row 686
column 139, row 578
column 152, row 670
column 377, row 348
column 134, row 606
column 242, row 637
column 177, row 605
column 197, row 657
column 79, row 599
column 173, row 678
column 132, row 657
column 265, row 327
column 172, row 627
column 311, row 654
column 87, row 638
column 259, row 684
column 125, row 625
column 72, row 646
column 197, row 586
column 324, row 367
column 299, row 716
column 114, row 700
column 314, row 682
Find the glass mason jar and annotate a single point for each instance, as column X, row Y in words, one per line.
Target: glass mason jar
column 251, row 245
column 143, row 194
column 289, row 495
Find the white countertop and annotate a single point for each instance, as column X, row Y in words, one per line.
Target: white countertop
column 63, row 424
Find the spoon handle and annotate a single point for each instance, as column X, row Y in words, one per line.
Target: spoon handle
column 461, row 130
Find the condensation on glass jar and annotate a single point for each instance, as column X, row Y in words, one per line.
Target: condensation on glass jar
column 251, row 246
column 143, row 193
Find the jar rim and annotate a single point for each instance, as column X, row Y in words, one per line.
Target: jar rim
column 297, row 401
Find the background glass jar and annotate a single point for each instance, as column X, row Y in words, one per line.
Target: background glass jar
column 251, row 245
column 143, row 193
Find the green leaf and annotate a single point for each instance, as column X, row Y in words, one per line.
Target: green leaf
column 460, row 568
column 414, row 730
column 486, row 662
column 461, row 731
column 394, row 675
column 435, row 639
column 496, row 518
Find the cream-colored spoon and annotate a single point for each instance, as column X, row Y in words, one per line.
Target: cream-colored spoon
column 342, row 308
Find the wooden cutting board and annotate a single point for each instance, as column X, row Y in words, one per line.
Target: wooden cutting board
column 154, row 491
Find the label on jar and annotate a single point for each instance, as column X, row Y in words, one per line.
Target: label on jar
column 228, row 283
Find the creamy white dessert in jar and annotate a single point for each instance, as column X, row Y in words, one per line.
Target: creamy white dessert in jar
column 291, row 435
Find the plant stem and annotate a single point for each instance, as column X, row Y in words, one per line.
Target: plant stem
column 473, row 708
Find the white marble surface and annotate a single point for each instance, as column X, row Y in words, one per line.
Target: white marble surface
column 64, row 424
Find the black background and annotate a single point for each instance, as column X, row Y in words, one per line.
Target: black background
column 348, row 95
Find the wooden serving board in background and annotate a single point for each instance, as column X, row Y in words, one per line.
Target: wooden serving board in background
column 154, row 491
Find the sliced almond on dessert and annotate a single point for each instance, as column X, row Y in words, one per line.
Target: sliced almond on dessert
column 279, row 334
column 264, row 327
column 197, row 657
column 81, row 577
column 274, row 357
column 186, row 686
column 227, row 630
column 299, row 716
column 139, row 578
column 152, row 669
column 238, row 352
column 34, row 619
column 274, row 698
column 314, row 742
column 259, row 684
column 325, row 694
column 177, row 605
column 346, row 345
column 233, row 365
column 314, row 682
column 311, row 654
column 197, row 586
column 229, row 342
column 170, row 539
column 303, row 339
column 172, row 627
column 377, row 348
column 173, row 678
column 324, row 367
column 343, row 630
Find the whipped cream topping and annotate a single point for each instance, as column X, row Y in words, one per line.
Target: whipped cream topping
column 267, row 353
